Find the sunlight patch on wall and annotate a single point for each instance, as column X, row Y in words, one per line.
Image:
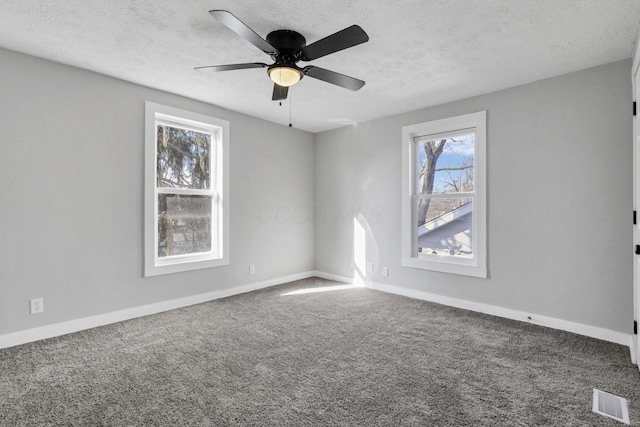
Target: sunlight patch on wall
column 359, row 252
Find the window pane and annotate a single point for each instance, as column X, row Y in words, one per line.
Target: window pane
column 448, row 226
column 184, row 224
column 445, row 165
column 183, row 158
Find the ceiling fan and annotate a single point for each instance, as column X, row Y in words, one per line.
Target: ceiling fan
column 287, row 48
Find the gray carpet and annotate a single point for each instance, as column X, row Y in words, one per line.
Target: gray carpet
column 353, row 357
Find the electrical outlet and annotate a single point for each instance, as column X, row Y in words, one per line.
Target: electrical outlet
column 252, row 269
column 385, row 272
column 369, row 267
column 37, row 305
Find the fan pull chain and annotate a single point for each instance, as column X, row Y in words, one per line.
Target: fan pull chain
column 290, row 102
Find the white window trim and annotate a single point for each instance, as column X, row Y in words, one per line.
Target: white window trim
column 477, row 266
column 153, row 266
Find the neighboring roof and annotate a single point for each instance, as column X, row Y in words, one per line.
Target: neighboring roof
column 448, row 232
column 445, row 219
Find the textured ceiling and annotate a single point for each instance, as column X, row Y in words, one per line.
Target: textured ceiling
column 421, row 52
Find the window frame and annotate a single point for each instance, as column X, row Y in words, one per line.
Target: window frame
column 477, row 265
column 219, row 190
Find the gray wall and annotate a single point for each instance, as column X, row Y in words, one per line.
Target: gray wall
column 71, row 205
column 559, row 198
column 71, row 167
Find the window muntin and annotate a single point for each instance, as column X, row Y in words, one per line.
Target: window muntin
column 186, row 176
column 444, row 198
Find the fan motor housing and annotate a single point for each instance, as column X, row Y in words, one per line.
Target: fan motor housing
column 288, row 43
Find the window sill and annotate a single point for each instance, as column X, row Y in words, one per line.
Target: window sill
column 157, row 270
column 460, row 267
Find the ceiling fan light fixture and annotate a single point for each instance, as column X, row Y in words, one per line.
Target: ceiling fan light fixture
column 285, row 76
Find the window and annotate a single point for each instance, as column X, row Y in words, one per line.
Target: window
column 186, row 191
column 444, row 195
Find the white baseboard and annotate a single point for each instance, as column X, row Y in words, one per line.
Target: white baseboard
column 57, row 329
column 549, row 322
column 335, row 277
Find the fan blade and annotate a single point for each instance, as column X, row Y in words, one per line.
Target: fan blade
column 349, row 37
column 279, row 92
column 329, row 76
column 243, row 30
column 231, row 67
